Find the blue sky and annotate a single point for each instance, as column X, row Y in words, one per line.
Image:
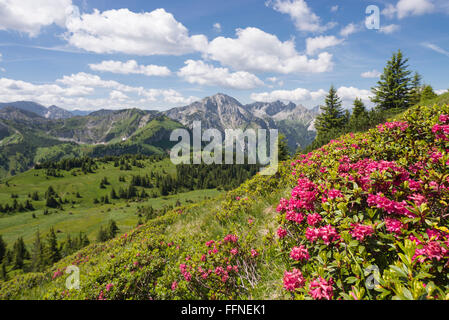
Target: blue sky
column 81, row 54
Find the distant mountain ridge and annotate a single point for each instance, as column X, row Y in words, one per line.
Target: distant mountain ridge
column 31, row 133
column 52, row 112
column 224, row 112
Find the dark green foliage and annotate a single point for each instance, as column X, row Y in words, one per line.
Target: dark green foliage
column 52, row 253
column 2, row 249
column 393, row 88
column 283, row 151
column 332, row 116
column 20, row 253
column 428, row 93
column 37, row 254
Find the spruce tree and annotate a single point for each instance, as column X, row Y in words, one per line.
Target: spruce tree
column 393, row 88
column 37, row 254
column 2, row 249
column 359, row 118
column 52, row 253
column 428, row 93
column 20, row 253
column 112, row 229
column 3, row 273
column 416, row 89
column 332, row 119
column 283, row 151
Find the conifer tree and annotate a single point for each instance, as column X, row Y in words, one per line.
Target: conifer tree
column 112, row 229
column 428, row 93
column 283, row 152
column 393, row 88
column 3, row 273
column 416, row 89
column 52, row 253
column 37, row 254
column 2, row 249
column 20, row 253
column 332, row 120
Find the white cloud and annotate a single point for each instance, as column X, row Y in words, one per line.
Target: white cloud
column 118, row 95
column 349, row 29
column 436, row 48
column 405, row 8
column 30, row 16
column 123, row 31
column 89, row 80
column 130, row 67
column 388, row 29
column 1, row 57
column 217, row 27
column 335, row 8
column 201, row 73
column 79, row 91
column 257, row 51
column 371, row 74
column 303, row 17
column 313, row 45
column 438, row 92
column 312, row 98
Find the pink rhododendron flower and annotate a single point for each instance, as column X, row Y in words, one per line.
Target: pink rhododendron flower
column 254, row 253
column 281, row 233
column 109, row 286
column 231, row 238
column 314, row 219
column 174, row 286
column 393, row 225
column 361, row 231
column 293, row 280
column 321, row 289
column 300, row 253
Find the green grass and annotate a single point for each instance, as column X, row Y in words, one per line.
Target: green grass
column 84, row 215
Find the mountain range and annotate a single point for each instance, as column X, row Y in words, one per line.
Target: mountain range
column 31, row 133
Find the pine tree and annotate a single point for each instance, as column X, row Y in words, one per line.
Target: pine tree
column 2, row 249
column 393, row 88
column 283, row 152
column 52, row 253
column 332, row 119
column 102, row 235
column 20, row 253
column 428, row 93
column 416, row 89
column 37, row 254
column 359, row 119
column 112, row 229
column 3, row 273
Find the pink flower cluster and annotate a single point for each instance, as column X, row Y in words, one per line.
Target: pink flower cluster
column 393, row 225
column 314, row 219
column 388, row 205
column 328, row 234
column 300, row 253
column 281, row 233
column 431, row 250
column 321, row 289
column 361, row 231
column 293, row 280
column 393, row 125
column 441, row 131
column 231, row 238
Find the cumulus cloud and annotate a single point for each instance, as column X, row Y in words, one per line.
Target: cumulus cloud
column 79, row 91
column 130, row 67
column 30, row 16
column 257, row 51
column 335, row 8
column 124, row 31
column 313, row 45
column 405, row 8
column 301, row 14
column 312, row 98
column 371, row 74
column 201, row 73
column 388, row 29
column 349, row 29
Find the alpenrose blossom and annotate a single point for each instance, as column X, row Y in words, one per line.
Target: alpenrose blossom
column 393, row 125
column 281, row 233
column 328, row 234
column 388, row 205
column 300, row 253
column 314, row 219
column 361, row 231
column 393, row 225
column 293, row 280
column 321, row 289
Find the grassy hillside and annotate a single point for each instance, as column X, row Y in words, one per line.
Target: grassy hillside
column 82, row 215
column 316, row 230
column 26, row 139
